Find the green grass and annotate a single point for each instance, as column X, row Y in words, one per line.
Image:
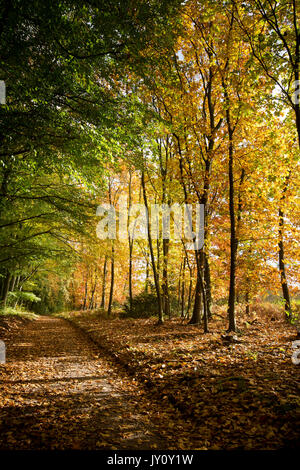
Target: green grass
column 18, row 312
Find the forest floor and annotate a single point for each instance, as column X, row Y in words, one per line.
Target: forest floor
column 91, row 383
column 242, row 395
column 57, row 392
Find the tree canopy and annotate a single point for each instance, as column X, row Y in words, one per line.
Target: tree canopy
column 166, row 102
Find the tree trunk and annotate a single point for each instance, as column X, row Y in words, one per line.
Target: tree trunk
column 165, row 280
column 183, row 289
column 233, row 239
column 147, row 275
column 102, row 305
column 196, row 316
column 179, row 284
column 282, row 270
column 247, row 300
column 17, row 287
column 130, row 244
column 130, row 273
column 189, row 297
column 91, row 304
column 283, row 279
column 112, row 279
column 6, row 289
column 85, row 293
column 155, row 275
column 13, row 283
column 207, row 282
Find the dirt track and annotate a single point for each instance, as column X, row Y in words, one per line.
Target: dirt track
column 56, row 392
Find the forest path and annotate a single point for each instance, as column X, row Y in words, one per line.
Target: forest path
column 57, row 392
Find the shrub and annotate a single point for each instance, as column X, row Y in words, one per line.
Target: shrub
column 144, row 305
column 18, row 312
column 24, row 296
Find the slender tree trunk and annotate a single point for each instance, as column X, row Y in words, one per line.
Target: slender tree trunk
column 17, row 282
column 183, row 289
column 233, row 240
column 147, row 275
column 207, row 285
column 6, row 289
column 112, row 279
column 196, row 316
column 85, row 293
column 130, row 274
column 190, row 290
column 102, row 305
column 179, row 284
column 283, row 278
column 200, row 288
column 247, row 300
column 204, row 200
column 17, row 287
column 13, row 283
column 130, row 244
column 158, row 259
column 91, row 304
column 155, row 275
column 205, row 316
column 188, row 309
column 282, row 269
column 73, row 294
column 165, row 279
column 164, row 173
